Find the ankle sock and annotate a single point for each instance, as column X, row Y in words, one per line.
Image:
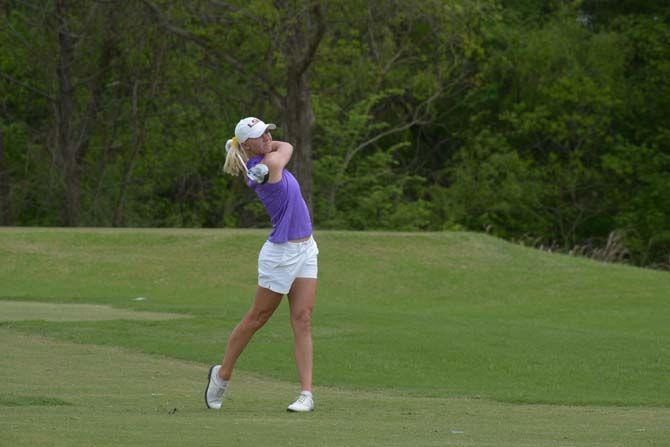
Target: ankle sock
column 217, row 378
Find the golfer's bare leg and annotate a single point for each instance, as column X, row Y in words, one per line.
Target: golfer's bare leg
column 265, row 303
column 301, row 299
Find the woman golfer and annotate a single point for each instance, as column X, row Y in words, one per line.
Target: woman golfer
column 286, row 263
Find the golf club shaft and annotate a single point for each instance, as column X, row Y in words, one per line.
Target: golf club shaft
column 242, row 161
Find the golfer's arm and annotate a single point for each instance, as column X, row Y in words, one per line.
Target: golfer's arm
column 278, row 159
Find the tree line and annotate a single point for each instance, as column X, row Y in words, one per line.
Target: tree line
column 541, row 121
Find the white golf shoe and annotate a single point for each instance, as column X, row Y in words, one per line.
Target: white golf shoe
column 216, row 388
column 304, row 403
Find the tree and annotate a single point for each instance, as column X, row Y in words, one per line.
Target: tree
column 552, row 96
column 60, row 42
column 275, row 45
column 5, row 200
column 385, row 71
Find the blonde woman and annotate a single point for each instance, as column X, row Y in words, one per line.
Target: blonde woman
column 287, row 263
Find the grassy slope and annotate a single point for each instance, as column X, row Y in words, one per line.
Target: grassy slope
column 437, row 314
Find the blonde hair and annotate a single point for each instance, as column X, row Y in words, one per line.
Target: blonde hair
column 236, row 158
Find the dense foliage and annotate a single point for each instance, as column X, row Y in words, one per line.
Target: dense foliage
column 543, row 121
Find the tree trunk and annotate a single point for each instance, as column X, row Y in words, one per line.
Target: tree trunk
column 298, row 121
column 66, row 157
column 139, row 129
column 138, row 140
column 5, row 204
column 304, row 38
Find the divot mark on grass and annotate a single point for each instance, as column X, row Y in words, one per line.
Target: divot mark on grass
column 25, row 310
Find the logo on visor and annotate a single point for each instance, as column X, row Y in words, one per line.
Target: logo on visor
column 253, row 122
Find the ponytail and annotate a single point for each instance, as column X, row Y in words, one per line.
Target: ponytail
column 236, row 158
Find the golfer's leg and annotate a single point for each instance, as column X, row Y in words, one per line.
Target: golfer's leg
column 265, row 303
column 301, row 299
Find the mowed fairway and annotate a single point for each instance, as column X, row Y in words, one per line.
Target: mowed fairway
column 109, row 396
column 424, row 339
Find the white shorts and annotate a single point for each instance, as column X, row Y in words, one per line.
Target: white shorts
column 280, row 264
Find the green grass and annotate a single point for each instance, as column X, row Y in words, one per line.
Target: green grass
column 21, row 401
column 23, row 310
column 430, row 314
column 106, row 396
column 433, row 322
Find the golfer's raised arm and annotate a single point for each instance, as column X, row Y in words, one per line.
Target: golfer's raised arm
column 278, row 159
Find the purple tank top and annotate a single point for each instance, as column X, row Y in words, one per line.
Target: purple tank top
column 285, row 205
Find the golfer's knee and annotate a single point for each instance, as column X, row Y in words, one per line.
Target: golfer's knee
column 302, row 321
column 256, row 320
